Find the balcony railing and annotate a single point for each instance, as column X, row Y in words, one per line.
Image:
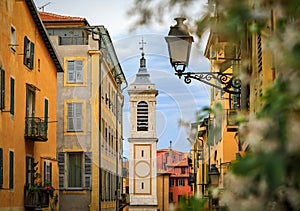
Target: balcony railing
column 232, row 123
column 35, row 129
column 38, row 198
column 73, row 41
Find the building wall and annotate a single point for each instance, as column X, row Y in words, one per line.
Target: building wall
column 101, row 137
column 163, row 191
column 42, row 76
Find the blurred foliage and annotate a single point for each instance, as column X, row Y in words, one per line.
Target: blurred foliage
column 268, row 176
column 192, row 203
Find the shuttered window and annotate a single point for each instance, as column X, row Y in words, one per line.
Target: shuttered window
column 47, row 173
column 11, row 169
column 78, row 170
column 12, row 96
column 142, row 116
column 75, row 71
column 74, row 117
column 28, row 53
column 2, row 89
column 75, row 170
column 29, row 170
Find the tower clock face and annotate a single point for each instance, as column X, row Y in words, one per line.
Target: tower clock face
column 142, row 169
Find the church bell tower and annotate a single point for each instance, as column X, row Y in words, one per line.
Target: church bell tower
column 142, row 141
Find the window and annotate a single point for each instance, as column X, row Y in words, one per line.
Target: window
column 78, row 170
column 1, row 167
column 30, row 102
column 28, row 53
column 180, row 182
column 2, row 89
column 30, row 170
column 75, row 169
column 74, row 117
column 47, row 172
column 13, row 38
column 142, row 116
column 171, row 182
column 75, row 71
column 12, row 96
column 183, row 170
column 11, row 169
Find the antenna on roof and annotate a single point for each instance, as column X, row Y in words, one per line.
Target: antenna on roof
column 43, row 6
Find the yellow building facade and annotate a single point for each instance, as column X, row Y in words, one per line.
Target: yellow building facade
column 29, row 67
column 220, row 145
column 90, row 100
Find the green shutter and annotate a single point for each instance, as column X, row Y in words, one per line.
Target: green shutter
column 1, row 167
column 11, row 169
column 2, row 89
column 45, row 172
column 46, row 114
column 31, row 55
column 50, row 174
column 12, row 95
column 26, row 41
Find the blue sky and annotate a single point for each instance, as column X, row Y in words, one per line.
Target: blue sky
column 176, row 100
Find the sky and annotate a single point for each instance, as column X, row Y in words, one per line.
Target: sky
column 176, row 100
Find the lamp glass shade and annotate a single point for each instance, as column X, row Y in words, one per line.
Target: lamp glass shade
column 179, row 50
column 214, row 175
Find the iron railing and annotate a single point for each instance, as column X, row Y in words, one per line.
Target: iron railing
column 35, row 129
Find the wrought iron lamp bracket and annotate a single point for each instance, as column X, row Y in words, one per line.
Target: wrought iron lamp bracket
column 228, row 83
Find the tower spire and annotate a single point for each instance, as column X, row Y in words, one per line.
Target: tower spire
column 142, row 60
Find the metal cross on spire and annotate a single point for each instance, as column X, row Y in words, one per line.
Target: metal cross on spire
column 142, row 43
column 142, row 60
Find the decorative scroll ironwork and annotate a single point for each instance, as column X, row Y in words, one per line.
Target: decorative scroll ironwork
column 224, row 81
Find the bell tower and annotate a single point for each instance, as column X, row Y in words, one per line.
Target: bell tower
column 142, row 141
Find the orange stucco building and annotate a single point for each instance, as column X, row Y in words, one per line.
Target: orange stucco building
column 28, row 76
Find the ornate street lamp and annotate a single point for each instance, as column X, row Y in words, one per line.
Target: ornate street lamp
column 179, row 43
column 214, row 176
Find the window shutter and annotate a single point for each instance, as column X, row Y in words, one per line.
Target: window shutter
column 79, row 70
column 26, row 41
column 11, row 169
column 12, row 95
column 78, row 116
column 61, row 169
column 31, row 55
column 46, row 114
column 1, row 167
column 2, row 89
column 50, row 174
column 71, row 71
column 45, row 172
column 70, row 117
column 88, row 169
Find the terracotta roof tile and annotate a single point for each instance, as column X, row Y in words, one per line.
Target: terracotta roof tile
column 47, row 16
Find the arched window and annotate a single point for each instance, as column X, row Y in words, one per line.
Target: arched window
column 142, row 116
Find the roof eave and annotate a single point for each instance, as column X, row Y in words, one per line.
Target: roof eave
column 38, row 22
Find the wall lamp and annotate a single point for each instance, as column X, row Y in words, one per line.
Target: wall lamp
column 179, row 43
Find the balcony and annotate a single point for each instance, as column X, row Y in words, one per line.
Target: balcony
column 35, row 198
column 35, row 129
column 232, row 123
